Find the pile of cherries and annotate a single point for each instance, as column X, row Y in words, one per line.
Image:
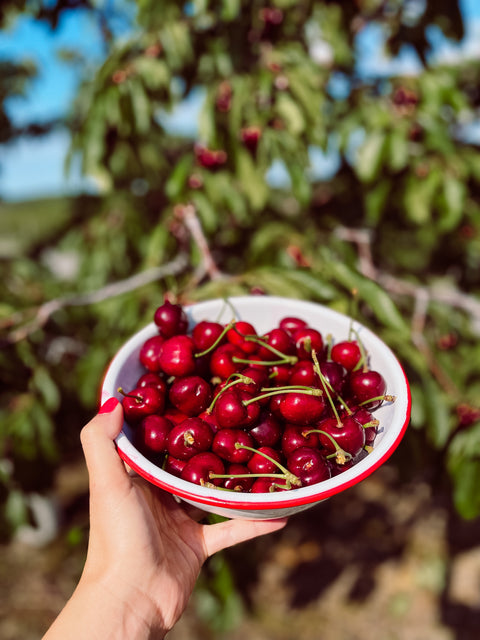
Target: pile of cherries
column 224, row 407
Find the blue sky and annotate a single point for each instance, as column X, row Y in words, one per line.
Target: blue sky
column 35, row 168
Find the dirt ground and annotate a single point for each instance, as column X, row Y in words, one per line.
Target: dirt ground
column 388, row 559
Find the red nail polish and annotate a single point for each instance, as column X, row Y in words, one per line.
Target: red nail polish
column 108, row 406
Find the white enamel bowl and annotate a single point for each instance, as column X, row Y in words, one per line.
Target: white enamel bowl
column 264, row 313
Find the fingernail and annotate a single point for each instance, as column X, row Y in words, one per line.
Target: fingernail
column 108, row 406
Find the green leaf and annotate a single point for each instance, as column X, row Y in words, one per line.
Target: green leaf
column 206, row 212
column 230, row 9
column 140, row 106
column 42, row 382
column 451, row 203
column 463, row 464
column 376, row 200
column 419, row 195
column 289, row 111
column 178, row 177
column 398, row 150
column 369, row 157
column 437, row 411
column 252, row 183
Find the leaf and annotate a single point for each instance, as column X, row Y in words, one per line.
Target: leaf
column 178, row 177
column 289, row 111
column 369, row 157
column 438, row 420
column 140, row 107
column 376, row 200
column 206, row 212
column 42, row 382
column 398, row 150
column 419, row 194
column 463, row 464
column 451, row 202
column 230, row 9
column 252, row 183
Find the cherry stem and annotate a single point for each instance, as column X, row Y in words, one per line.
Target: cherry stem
column 325, row 385
column 385, row 398
column 372, row 423
column 239, row 378
column 280, row 354
column 363, row 362
column 341, row 456
column 329, row 341
column 309, row 391
column 289, row 476
column 217, row 341
column 265, row 363
column 130, row 395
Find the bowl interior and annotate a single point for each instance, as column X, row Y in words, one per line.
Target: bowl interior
column 264, row 313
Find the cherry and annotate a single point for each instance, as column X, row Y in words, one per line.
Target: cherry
column 334, row 374
column 230, row 410
column 152, row 380
column 149, row 354
column 250, row 137
column 188, row 438
column 367, row 387
column 170, row 319
column 267, row 430
column 346, row 353
column 236, row 483
column 190, row 394
column 174, row 466
column 303, row 373
column 280, row 374
column 152, row 433
column 200, row 466
column 301, row 408
column 279, row 340
column 307, row 340
column 174, row 415
column 296, row 436
column 259, row 463
column 236, row 336
column 141, row 402
column 258, row 377
column 222, row 363
column 224, row 443
column 348, row 434
column 291, row 324
column 177, row 356
column 267, row 485
column 308, row 465
column 205, row 334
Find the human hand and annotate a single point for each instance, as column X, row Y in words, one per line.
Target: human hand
column 145, row 550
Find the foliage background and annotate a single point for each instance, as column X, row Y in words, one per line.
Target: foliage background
column 397, row 221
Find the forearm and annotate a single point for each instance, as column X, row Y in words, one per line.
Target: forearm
column 97, row 612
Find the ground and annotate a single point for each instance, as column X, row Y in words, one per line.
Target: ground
column 387, row 559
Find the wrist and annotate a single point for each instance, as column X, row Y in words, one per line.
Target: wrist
column 130, row 612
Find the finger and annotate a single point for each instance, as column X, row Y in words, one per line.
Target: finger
column 105, row 467
column 226, row 534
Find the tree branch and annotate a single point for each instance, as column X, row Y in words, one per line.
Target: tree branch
column 47, row 309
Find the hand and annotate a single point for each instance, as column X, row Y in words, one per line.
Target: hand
column 145, row 552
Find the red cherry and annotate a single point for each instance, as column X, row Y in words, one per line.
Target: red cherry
column 190, row 394
column 347, row 353
column 280, row 374
column 294, row 436
column 267, row 430
column 149, row 354
column 307, row 340
column 301, row 408
column 141, row 402
column 238, row 484
column 205, row 334
column 199, row 468
column 177, row 356
column 221, row 361
column 279, row 340
column 152, row 432
column 229, row 410
column 348, row 434
column 291, row 324
column 303, row 373
column 224, row 445
column 174, row 466
column 260, row 464
column 188, row 438
column 366, row 385
column 152, row 380
column 236, row 336
column 267, row 485
column 308, row 465
column 170, row 319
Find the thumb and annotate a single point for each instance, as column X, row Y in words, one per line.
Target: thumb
column 105, row 467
